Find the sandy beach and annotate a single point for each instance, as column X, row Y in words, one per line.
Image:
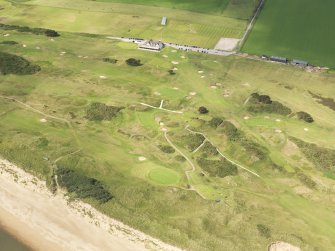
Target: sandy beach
column 43, row 221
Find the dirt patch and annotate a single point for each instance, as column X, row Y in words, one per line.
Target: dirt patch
column 227, row 44
column 290, row 148
column 282, row 246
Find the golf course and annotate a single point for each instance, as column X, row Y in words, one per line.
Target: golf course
column 201, row 151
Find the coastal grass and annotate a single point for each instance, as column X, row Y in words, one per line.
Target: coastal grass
column 150, row 188
column 295, row 29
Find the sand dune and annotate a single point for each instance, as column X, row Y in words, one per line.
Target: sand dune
column 47, row 222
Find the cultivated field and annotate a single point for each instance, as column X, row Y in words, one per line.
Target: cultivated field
column 166, row 178
column 187, row 23
column 300, row 29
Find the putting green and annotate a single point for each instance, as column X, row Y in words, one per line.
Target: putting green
column 164, row 176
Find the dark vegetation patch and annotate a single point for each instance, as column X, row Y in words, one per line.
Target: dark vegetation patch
column 215, row 122
column 36, row 31
column 306, row 180
column 9, row 42
column 100, row 111
column 305, row 117
column 180, row 158
column 110, row 60
column 264, row 231
column 172, row 72
column 218, row 168
column 82, row 186
column 235, row 135
column 322, row 158
column 192, row 141
column 133, row 62
column 328, row 102
column 203, row 110
column 263, row 103
column 209, row 150
column 13, row 64
column 166, row 149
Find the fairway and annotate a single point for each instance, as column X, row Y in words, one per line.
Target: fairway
column 296, row 29
column 186, row 24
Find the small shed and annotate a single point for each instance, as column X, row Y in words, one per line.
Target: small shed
column 164, row 21
column 299, row 62
column 278, row 59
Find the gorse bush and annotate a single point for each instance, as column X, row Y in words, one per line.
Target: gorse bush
column 192, row 141
column 203, row 110
column 166, row 149
column 110, row 60
column 264, row 230
column 37, row 31
column 100, row 111
column 12, row 64
column 263, row 103
column 322, row 158
column 133, row 62
column 305, row 117
column 82, row 186
column 9, row 42
column 215, row 122
column 218, row 168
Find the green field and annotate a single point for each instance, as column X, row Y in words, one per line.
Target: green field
column 299, row 29
column 117, row 18
column 154, row 188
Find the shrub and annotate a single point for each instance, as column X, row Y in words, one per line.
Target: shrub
column 203, row 110
column 322, row 158
column 180, row 158
column 263, row 103
column 215, row 122
column 37, row 31
column 305, row 117
column 220, row 168
column 9, row 42
column 82, row 186
column 133, row 62
column 209, row 149
column 306, row 180
column 264, row 230
column 100, row 111
column 166, row 149
column 172, row 72
column 51, row 33
column 12, row 64
column 230, row 130
column 192, row 141
column 110, row 60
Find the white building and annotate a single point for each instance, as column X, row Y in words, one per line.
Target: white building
column 151, row 45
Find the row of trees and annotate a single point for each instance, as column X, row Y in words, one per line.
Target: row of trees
column 37, row 31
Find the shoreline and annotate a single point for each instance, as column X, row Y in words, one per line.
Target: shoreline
column 43, row 221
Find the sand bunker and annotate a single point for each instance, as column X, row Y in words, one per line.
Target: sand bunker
column 43, row 120
column 103, row 77
column 200, row 72
column 193, row 93
column 141, row 158
column 282, row 246
column 306, row 129
column 246, row 117
column 227, row 44
column 6, row 35
column 165, row 56
column 175, row 62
